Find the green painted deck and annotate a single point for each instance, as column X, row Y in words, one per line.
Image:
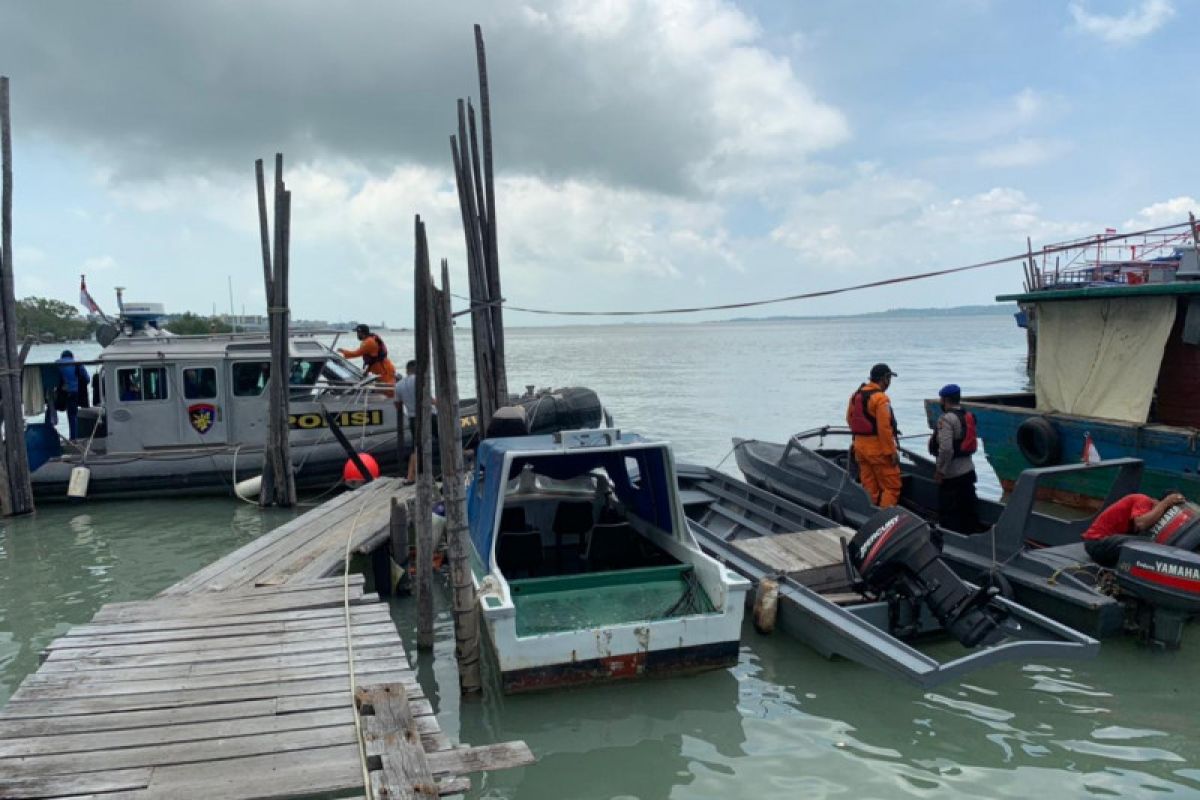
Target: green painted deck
column 1103, row 292
column 565, row 603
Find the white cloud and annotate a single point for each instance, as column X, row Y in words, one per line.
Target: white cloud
column 1139, row 22
column 1024, row 152
column 98, row 264
column 1168, row 212
column 880, row 221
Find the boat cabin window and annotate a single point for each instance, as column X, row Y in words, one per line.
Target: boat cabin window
column 335, row 372
column 305, row 372
column 142, row 383
column 250, row 377
column 200, row 383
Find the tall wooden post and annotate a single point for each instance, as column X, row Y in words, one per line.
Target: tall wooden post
column 466, row 612
column 16, row 492
column 489, row 213
column 279, row 483
column 423, row 522
column 480, row 325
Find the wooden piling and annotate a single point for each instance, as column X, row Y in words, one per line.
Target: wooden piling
column 492, row 246
column 423, row 522
column 278, row 481
column 398, row 547
column 16, row 492
column 466, row 611
column 480, row 326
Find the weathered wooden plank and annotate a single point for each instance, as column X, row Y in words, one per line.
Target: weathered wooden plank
column 325, row 553
column 481, row 759
column 137, row 682
column 17, row 708
column 199, row 623
column 14, row 786
column 169, row 753
column 406, row 772
column 220, row 643
column 361, row 615
column 128, row 720
column 212, row 606
column 63, row 670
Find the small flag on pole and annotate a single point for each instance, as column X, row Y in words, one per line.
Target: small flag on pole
column 85, row 298
column 1090, row 454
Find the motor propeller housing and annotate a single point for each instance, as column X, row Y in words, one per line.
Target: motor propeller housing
column 894, row 556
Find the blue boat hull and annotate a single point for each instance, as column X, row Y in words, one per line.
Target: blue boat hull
column 1171, row 454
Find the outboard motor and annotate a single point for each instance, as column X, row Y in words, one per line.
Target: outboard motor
column 894, row 556
column 1165, row 580
column 1179, row 527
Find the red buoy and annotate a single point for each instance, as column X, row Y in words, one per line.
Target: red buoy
column 352, row 476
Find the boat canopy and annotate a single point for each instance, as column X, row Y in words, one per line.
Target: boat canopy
column 638, row 469
column 1101, row 357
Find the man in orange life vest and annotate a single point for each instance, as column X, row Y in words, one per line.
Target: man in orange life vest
column 374, row 354
column 870, row 418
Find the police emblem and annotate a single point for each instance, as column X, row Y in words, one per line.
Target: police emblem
column 202, row 416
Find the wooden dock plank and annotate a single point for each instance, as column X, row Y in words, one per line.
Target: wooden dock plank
column 199, row 623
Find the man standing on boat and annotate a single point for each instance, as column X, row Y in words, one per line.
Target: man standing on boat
column 406, row 398
column 876, row 449
column 953, row 442
column 374, row 354
column 73, row 381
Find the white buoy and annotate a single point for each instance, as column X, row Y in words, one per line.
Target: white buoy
column 77, row 488
column 248, row 488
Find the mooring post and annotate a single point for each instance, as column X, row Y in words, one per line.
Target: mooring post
column 466, row 612
column 492, row 247
column 278, row 482
column 423, row 523
column 16, row 492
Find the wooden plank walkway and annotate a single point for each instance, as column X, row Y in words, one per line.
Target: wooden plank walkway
column 234, row 684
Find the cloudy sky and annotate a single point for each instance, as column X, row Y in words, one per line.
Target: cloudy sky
column 650, row 154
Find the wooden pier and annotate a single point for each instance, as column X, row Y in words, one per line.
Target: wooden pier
column 234, row 683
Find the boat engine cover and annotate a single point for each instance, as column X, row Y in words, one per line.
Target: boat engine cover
column 1179, row 527
column 894, row 553
column 1163, row 576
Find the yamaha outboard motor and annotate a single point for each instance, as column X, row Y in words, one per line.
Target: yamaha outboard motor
column 1179, row 527
column 894, row 556
column 1165, row 580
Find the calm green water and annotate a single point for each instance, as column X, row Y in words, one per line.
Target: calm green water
column 783, row 723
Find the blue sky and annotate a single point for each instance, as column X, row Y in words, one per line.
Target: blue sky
column 650, row 153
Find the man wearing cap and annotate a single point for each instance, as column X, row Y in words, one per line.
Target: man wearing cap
column 873, row 424
column 374, row 354
column 954, row 441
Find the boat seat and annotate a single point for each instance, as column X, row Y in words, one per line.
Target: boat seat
column 518, row 547
column 611, row 545
column 573, row 520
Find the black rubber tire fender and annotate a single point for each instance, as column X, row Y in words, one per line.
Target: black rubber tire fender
column 1039, row 442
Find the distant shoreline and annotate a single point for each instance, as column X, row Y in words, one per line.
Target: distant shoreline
column 989, row 310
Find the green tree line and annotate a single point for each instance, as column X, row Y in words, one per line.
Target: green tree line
column 53, row 320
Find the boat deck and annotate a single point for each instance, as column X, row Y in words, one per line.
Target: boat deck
column 236, row 683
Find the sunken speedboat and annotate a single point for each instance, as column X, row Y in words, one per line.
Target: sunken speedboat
column 1031, row 554
column 585, row 566
column 187, row 415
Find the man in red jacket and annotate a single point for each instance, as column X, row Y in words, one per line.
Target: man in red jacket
column 1121, row 522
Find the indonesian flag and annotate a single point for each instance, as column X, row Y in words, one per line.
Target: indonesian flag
column 1090, row 454
column 85, row 298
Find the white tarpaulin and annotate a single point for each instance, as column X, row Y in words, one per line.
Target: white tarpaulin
column 1100, row 358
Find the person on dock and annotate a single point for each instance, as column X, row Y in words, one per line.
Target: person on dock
column 73, row 382
column 374, row 354
column 876, row 445
column 406, row 398
column 1124, row 521
column 953, row 442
